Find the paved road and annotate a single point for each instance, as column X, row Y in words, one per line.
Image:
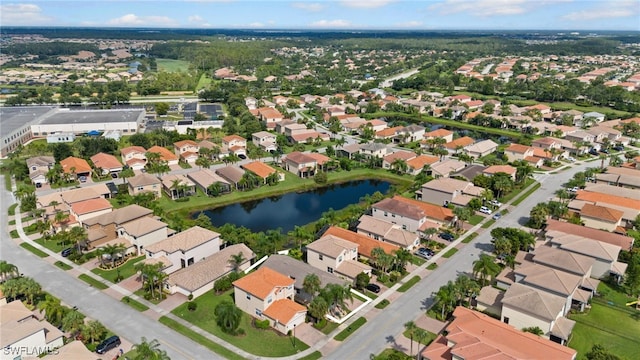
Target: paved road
column 378, row 333
column 120, row 318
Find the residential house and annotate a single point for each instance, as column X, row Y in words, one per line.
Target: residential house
column 134, row 156
column 481, row 148
column 267, row 294
column 440, row 133
column 348, row 150
column 262, row 170
column 386, row 231
column 517, row 152
column 72, row 350
column 299, row 270
column 22, row 334
column 596, row 116
column 469, row 173
column 265, row 140
column 410, row 133
column 38, row 167
column 458, row 144
column 184, row 248
column 421, row 162
column 74, row 167
column 232, row 174
column 235, row 144
column 83, row 210
column 581, row 136
column 309, row 136
column 337, row 256
column 187, row 150
column 104, row 228
column 177, row 186
column 165, row 155
column 443, row 191
column 402, row 155
column 204, row 178
column 472, row 332
column 301, row 164
column 563, row 260
column 144, row 182
column 374, row 149
column 143, row 232
column 505, row 169
column 446, row 167
column 108, row 163
column 412, row 215
column 601, row 217
column 200, row 277
column 365, row 243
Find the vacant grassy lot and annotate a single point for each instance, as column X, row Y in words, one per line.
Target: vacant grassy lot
column 255, row 339
column 170, row 65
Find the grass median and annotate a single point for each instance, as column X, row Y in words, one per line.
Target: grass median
column 34, row 250
column 525, row 195
column 350, row 329
column 406, row 286
column 450, row 253
column 135, row 304
column 93, row 282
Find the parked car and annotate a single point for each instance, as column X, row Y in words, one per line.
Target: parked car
column 485, row 210
column 108, row 344
column 604, row 151
column 114, row 175
column 425, row 253
column 593, row 152
column 574, row 189
column 495, row 202
column 496, row 216
column 82, row 179
column 66, row 252
column 618, row 148
column 571, row 159
column 373, row 288
column 446, row 236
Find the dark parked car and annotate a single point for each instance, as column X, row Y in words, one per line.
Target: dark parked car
column 604, row 151
column 373, row 288
column 447, row 236
column 593, row 152
column 108, row 344
column 618, row 148
column 66, row 252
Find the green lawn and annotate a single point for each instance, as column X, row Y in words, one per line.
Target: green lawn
column 170, row 65
column 14, row 234
column 488, row 223
column 218, row 349
column 204, row 82
column 471, row 237
column 350, row 329
column 93, row 282
column 12, row 209
column 406, row 286
column 506, row 198
column 382, row 304
column 394, row 354
column 313, row 356
column 450, row 253
column 329, row 327
column 62, row 265
column 431, row 336
column 125, row 271
column 34, row 250
column 134, row 304
column 255, row 339
column 432, row 266
column 475, row 219
column 52, row 245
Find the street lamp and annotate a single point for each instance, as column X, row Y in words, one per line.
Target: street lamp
column 294, row 335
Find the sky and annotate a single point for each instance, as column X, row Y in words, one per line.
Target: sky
column 328, row 14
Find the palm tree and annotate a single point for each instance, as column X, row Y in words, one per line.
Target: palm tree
column 421, row 337
column 340, row 141
column 399, row 166
column 113, row 250
column 318, row 307
column 62, row 219
column 214, row 189
column 78, row 236
column 402, row 257
column 72, row 322
column 93, row 330
column 53, row 310
column 126, row 173
column 445, row 297
column 466, row 287
column 236, row 261
column 149, row 350
column 175, row 185
column 311, row 284
column 501, row 183
column 485, row 268
column 228, row 316
column 336, row 295
column 7, row 270
column 463, row 214
column 411, row 328
column 534, row 330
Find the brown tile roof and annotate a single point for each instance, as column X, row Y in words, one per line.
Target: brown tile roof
column 601, row 213
column 105, row 161
column 494, row 169
column 429, row 210
column 230, row 138
column 259, row 168
column 331, row 246
column 143, row 179
column 403, row 155
column 555, row 227
column 438, row 133
column 563, row 260
column 422, row 160
column 120, row 216
column 133, row 149
column 143, row 226
column 471, row 330
column 261, row 282
column 608, row 199
column 319, row 158
column 183, row 241
column 231, row 173
column 388, row 132
column 517, row 148
column 297, row 157
column 284, row 310
column 165, row 154
column 365, row 243
column 463, row 141
column 80, row 165
column 91, row 205
column 182, row 143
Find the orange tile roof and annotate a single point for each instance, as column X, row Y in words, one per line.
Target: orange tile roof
column 388, row 132
column 165, row 154
column 185, row 143
column 230, row 138
column 494, row 169
column 478, row 336
column 319, row 158
column 541, row 153
column 284, row 310
column 365, row 243
column 91, row 205
column 438, row 133
column 595, row 197
column 262, row 282
column 433, row 211
column 133, row 149
column 259, row 168
column 80, row 165
column 518, row 148
column 463, row 141
column 601, row 213
column 105, row 161
column 422, row 160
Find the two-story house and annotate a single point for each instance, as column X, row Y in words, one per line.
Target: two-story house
column 38, row 167
column 108, row 163
column 267, row 294
column 336, row 256
column 144, row 182
column 235, row 144
column 444, row 191
column 265, row 140
column 184, row 249
column 386, row 231
column 75, row 168
column 143, row 232
column 104, row 228
column 134, row 156
column 187, row 150
column 301, row 164
column 165, row 155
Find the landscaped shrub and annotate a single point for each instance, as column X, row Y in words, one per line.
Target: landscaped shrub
column 183, row 199
column 262, row 324
column 192, row 306
column 225, row 283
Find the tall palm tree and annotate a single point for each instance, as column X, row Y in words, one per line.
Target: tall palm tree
column 445, row 297
column 485, row 268
column 311, row 284
column 7, row 270
column 93, row 330
column 318, row 307
column 72, row 322
column 402, row 257
column 411, row 328
column 53, row 309
column 421, row 337
column 78, row 236
column 336, row 296
column 466, row 287
column 399, row 166
column 149, row 350
column 228, row 316
column 236, row 261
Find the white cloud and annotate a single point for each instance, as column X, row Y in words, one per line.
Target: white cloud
column 338, row 23
column 366, row 4
column 486, row 8
column 410, row 24
column 198, row 21
column 256, row 25
column 315, row 7
column 135, row 20
column 22, row 14
column 611, row 10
